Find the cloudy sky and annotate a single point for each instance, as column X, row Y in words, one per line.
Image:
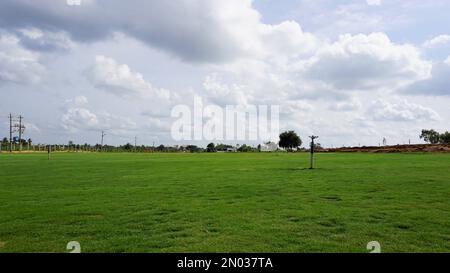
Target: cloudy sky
column 350, row 71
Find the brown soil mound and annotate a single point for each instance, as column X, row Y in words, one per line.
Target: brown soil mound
column 424, row 148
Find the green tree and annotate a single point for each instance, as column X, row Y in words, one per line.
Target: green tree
column 211, row 148
column 445, row 138
column 430, row 136
column 290, row 140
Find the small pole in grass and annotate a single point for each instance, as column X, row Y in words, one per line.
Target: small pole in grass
column 312, row 151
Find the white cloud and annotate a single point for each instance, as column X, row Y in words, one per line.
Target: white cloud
column 296, row 106
column 437, row 85
column 447, row 61
column 382, row 110
column 211, row 31
column 78, row 117
column 17, row 64
column 224, row 94
column 437, row 41
column 40, row 40
column 76, row 102
column 119, row 79
column 367, row 62
column 346, row 106
column 373, row 2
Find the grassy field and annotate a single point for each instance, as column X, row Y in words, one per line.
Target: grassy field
column 224, row 202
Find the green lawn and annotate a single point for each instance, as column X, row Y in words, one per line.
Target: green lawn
column 224, row 202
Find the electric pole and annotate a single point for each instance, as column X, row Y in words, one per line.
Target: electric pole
column 10, row 133
column 103, row 135
column 20, row 133
column 312, row 151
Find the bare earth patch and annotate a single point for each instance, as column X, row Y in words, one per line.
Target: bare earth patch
column 419, row 148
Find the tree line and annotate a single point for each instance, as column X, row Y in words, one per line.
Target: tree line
column 434, row 137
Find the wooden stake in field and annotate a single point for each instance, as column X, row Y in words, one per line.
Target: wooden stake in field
column 312, row 151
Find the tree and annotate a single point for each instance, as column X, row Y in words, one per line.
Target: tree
column 128, row 147
column 290, row 140
column 245, row 148
column 430, row 136
column 5, row 140
column 211, row 148
column 445, row 138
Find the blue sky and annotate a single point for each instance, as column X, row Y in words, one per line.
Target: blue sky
column 352, row 72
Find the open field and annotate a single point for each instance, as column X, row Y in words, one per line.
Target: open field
column 224, row 202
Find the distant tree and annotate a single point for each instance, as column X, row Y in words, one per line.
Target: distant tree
column 211, row 148
column 160, row 148
column 223, row 147
column 30, row 142
column 290, row 140
column 445, row 138
column 5, row 140
column 70, row 144
column 128, row 147
column 245, row 148
column 259, row 148
column 430, row 136
column 193, row 148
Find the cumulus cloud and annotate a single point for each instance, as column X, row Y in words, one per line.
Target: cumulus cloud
column 373, row 2
column 224, row 94
column 437, row 85
column 382, row 110
column 195, row 31
column 367, row 62
column 46, row 41
column 78, row 117
column 437, row 41
column 111, row 76
column 18, row 64
column 346, row 106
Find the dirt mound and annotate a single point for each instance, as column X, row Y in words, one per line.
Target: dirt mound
column 425, row 148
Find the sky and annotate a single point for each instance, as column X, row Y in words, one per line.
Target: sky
column 352, row 72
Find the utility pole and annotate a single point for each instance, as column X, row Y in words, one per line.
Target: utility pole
column 20, row 133
column 103, row 135
column 10, row 133
column 312, row 151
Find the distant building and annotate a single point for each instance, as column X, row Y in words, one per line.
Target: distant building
column 269, row 147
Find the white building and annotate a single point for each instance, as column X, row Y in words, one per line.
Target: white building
column 269, row 147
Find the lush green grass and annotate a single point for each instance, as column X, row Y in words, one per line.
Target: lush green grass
column 224, row 202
